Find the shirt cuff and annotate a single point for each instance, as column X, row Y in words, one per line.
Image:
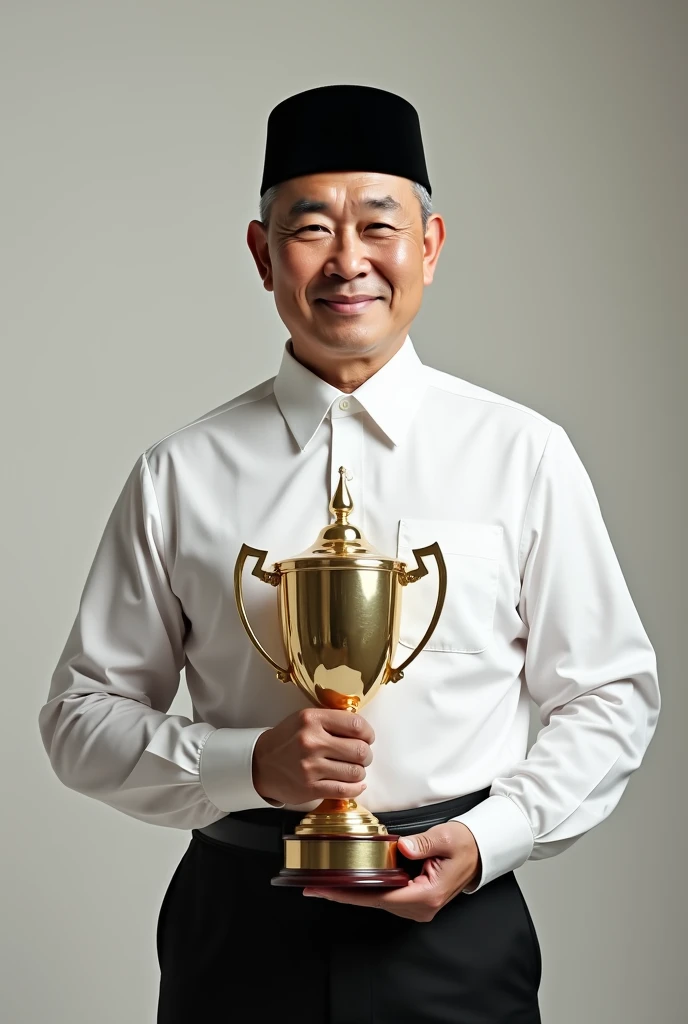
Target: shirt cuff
column 503, row 836
column 226, row 770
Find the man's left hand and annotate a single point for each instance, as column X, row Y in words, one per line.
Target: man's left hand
column 452, row 861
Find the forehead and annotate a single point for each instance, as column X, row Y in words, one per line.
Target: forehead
column 349, row 188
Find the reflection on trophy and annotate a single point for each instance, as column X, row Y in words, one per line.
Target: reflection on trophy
column 339, row 609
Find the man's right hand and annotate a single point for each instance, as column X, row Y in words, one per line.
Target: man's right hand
column 313, row 754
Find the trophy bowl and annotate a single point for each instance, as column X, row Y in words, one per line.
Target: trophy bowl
column 339, row 609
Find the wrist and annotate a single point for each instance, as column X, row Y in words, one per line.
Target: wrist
column 257, row 772
column 472, row 849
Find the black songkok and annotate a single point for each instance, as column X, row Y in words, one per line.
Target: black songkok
column 343, row 128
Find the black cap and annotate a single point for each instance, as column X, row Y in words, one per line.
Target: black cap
column 343, row 128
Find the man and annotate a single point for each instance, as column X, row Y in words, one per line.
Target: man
column 537, row 607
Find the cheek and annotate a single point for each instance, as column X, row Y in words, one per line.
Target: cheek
column 404, row 266
column 299, row 263
column 294, row 271
column 404, row 259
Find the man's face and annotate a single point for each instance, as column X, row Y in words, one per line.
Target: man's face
column 346, row 234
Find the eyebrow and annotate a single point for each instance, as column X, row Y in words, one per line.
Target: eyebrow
column 305, row 205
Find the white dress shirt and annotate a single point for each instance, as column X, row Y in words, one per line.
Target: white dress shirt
column 537, row 607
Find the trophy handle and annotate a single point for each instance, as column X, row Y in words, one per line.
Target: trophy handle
column 395, row 674
column 266, row 577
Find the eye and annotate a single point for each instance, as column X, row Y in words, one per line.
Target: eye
column 319, row 227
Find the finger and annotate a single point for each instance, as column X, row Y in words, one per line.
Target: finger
column 352, row 896
column 329, row 790
column 343, row 723
column 416, row 899
column 425, row 888
column 340, row 771
column 354, row 751
column 437, row 841
column 386, row 899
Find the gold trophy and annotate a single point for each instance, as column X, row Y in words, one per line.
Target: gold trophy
column 339, row 609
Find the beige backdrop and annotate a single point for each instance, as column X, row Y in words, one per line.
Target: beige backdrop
column 132, row 147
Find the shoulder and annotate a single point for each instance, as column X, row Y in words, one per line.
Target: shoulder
column 464, row 398
column 229, row 416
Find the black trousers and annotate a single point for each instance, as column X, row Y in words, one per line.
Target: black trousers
column 230, row 944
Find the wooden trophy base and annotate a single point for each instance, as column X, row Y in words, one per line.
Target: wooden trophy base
column 341, row 862
column 329, row 878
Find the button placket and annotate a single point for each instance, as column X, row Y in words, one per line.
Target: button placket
column 347, row 450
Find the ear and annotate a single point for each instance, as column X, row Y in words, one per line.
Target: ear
column 435, row 235
column 257, row 240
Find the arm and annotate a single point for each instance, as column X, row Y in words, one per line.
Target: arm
column 590, row 668
column 104, row 726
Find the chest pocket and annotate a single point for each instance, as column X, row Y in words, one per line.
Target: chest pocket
column 471, row 552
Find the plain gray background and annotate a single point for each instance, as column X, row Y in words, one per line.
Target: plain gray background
column 132, row 148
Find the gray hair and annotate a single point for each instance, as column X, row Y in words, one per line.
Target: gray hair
column 419, row 191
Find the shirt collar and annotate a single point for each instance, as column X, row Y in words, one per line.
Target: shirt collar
column 390, row 397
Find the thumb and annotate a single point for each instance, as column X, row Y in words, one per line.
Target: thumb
column 435, row 842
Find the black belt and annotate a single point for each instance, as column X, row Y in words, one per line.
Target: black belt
column 263, row 828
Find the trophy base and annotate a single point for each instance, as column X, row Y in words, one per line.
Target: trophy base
column 341, row 861
column 332, row 878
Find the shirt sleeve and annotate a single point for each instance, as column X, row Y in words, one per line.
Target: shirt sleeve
column 590, row 668
column 104, row 726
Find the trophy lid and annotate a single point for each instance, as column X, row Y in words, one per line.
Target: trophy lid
column 341, row 543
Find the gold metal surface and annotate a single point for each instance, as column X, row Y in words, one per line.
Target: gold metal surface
column 283, row 674
column 339, row 608
column 340, row 817
column 340, row 544
column 319, row 854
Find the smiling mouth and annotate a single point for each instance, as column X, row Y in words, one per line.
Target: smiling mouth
column 348, row 308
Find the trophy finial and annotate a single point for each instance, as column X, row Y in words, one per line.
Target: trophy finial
column 340, row 539
column 341, row 505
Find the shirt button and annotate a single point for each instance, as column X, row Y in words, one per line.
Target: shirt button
column 344, row 404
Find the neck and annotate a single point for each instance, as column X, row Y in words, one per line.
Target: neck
column 344, row 372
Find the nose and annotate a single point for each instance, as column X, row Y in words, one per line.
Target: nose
column 347, row 256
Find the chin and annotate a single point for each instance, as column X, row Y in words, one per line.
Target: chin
column 351, row 340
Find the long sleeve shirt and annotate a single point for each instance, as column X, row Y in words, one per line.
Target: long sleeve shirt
column 537, row 608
